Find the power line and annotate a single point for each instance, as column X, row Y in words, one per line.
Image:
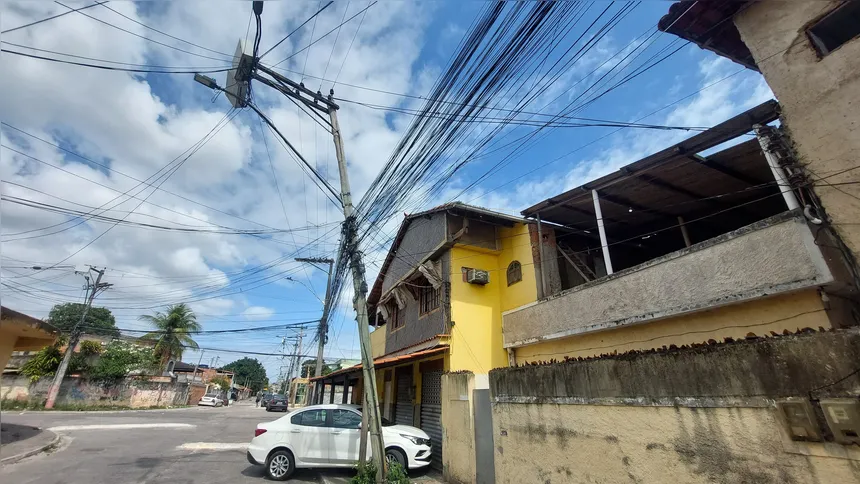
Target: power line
column 322, row 36
column 150, row 66
column 141, row 36
column 51, row 18
column 120, row 69
column 312, row 17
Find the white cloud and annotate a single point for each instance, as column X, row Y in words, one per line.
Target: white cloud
column 258, row 313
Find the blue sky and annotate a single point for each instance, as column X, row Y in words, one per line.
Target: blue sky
column 136, row 124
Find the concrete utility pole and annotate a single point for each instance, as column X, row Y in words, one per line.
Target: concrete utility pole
column 75, row 336
column 245, row 68
column 194, row 376
column 323, row 327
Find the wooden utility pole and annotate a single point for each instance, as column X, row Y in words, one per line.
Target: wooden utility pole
column 246, row 68
column 75, row 336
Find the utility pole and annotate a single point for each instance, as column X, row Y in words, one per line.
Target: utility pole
column 323, row 327
column 194, row 376
column 75, row 336
column 247, row 67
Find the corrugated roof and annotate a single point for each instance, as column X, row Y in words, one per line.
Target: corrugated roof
column 384, row 361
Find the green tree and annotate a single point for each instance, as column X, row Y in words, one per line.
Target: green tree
column 99, row 320
column 222, row 381
column 172, row 332
column 119, row 358
column 310, row 366
column 250, row 370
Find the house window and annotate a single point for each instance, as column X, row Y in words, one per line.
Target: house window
column 428, row 298
column 398, row 317
column 835, row 28
column 515, row 272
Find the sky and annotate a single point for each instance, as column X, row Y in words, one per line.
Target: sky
column 83, row 138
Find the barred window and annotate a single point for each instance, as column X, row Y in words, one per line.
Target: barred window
column 428, row 298
column 398, row 317
column 515, row 272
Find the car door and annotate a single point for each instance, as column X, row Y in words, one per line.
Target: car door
column 344, row 437
column 309, row 436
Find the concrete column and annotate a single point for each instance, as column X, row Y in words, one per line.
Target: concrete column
column 684, row 231
column 600, row 228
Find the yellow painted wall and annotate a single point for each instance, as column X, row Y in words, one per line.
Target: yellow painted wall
column 516, row 245
column 476, row 337
column 377, row 342
column 777, row 313
column 539, row 443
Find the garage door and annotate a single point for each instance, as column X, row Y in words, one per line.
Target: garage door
column 431, row 412
column 403, row 400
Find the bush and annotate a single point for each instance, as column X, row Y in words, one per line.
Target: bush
column 45, row 362
column 119, row 358
column 366, row 474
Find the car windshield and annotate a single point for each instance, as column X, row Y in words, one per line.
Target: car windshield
column 211, row 395
column 278, row 398
column 385, row 421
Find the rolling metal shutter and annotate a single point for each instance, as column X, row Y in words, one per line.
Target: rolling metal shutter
column 431, row 413
column 403, row 401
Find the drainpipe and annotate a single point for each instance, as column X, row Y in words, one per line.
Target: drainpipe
column 763, row 134
column 602, row 230
column 542, row 259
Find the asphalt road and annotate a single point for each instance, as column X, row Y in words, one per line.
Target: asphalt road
column 193, row 445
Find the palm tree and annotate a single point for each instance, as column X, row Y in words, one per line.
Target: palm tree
column 172, row 330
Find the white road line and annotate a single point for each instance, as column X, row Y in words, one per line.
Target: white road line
column 67, row 428
column 212, row 446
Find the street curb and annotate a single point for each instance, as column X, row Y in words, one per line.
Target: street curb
column 23, row 455
column 65, row 412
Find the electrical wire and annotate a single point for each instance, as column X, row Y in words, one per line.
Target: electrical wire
column 312, row 17
column 51, row 18
column 119, row 69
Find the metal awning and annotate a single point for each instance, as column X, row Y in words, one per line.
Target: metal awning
column 673, row 182
column 384, row 362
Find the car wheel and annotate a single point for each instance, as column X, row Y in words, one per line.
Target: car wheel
column 280, row 465
column 396, row 455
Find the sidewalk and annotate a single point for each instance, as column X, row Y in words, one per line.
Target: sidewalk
column 20, row 441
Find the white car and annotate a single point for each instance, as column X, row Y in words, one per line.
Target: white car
column 328, row 436
column 211, row 400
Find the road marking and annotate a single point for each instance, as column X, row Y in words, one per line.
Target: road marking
column 67, row 428
column 212, row 446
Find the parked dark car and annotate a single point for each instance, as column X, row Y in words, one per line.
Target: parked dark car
column 278, row 403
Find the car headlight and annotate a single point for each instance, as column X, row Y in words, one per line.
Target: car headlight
column 416, row 440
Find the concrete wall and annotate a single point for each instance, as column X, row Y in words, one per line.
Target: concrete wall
column 476, row 334
column 458, row 431
column 543, row 443
column 774, row 256
column 134, row 393
column 803, row 309
column 819, row 98
column 692, row 415
column 377, row 342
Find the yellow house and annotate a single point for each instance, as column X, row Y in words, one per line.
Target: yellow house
column 19, row 332
column 437, row 309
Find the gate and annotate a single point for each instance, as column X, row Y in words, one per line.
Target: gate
column 403, row 400
column 431, row 413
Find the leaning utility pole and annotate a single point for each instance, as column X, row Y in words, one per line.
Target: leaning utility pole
column 75, row 336
column 245, row 67
column 323, row 327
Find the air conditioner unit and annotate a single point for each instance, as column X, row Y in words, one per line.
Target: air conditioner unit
column 477, row 276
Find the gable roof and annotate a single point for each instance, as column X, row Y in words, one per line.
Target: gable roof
column 458, row 208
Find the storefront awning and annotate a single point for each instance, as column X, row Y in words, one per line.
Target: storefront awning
column 384, row 362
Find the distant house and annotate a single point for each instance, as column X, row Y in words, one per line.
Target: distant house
column 20, row 333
